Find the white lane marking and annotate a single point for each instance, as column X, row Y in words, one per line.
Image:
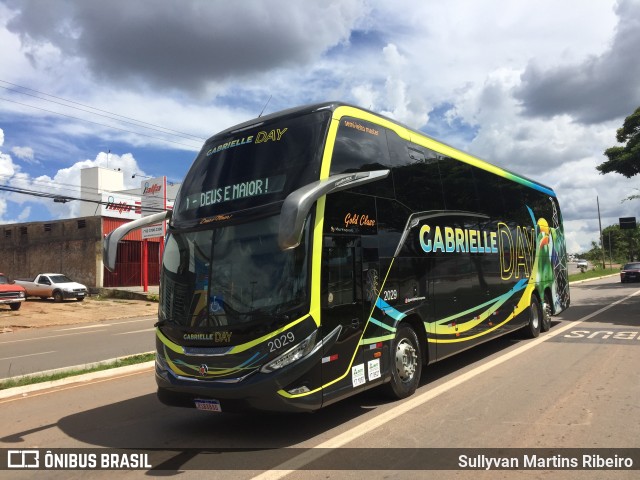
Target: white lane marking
column 106, row 324
column 48, row 337
column 146, row 319
column 136, row 331
column 319, row 451
column 83, row 327
column 28, row 355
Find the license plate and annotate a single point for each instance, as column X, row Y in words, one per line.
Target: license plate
column 208, row 405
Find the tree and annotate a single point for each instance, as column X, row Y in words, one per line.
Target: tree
column 625, row 160
column 620, row 246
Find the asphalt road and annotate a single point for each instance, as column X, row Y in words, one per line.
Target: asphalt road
column 35, row 350
column 576, row 386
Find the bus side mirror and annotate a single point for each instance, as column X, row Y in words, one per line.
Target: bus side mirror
column 110, row 243
column 298, row 203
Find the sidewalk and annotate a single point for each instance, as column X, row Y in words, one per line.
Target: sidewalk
column 133, row 293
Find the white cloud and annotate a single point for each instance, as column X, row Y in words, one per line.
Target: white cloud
column 7, row 167
column 596, row 89
column 66, row 182
column 23, row 153
column 189, row 44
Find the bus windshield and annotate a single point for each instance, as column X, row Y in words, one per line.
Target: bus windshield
column 251, row 167
column 235, row 275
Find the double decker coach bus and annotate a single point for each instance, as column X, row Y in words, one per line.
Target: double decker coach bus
column 324, row 250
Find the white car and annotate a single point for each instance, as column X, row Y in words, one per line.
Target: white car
column 53, row 285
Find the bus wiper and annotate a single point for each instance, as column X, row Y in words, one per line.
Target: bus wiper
column 262, row 313
column 168, row 322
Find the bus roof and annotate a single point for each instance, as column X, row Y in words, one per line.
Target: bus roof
column 332, row 106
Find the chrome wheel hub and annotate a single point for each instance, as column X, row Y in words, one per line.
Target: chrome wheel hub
column 406, row 360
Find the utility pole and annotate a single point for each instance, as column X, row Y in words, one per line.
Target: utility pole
column 604, row 261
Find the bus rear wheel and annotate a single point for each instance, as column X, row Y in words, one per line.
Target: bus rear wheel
column 546, row 314
column 406, row 363
column 532, row 328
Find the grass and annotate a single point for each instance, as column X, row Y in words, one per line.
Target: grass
column 594, row 273
column 39, row 378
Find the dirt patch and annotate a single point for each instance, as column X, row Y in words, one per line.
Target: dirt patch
column 37, row 313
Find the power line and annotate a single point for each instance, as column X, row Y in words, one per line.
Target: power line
column 60, row 198
column 138, row 122
column 68, row 187
column 98, row 114
column 98, row 123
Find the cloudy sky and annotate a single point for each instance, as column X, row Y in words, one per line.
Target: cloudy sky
column 537, row 87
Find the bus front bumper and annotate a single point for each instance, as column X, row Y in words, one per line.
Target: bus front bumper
column 257, row 391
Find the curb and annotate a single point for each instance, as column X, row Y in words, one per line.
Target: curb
column 80, row 378
column 578, row 282
column 125, row 294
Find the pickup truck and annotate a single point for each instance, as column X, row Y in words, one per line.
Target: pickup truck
column 53, row 285
column 10, row 293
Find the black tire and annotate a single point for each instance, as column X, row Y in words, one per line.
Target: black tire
column 406, row 363
column 15, row 306
column 57, row 296
column 545, row 324
column 532, row 328
column 80, row 299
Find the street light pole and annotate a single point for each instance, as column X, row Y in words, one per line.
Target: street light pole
column 604, row 261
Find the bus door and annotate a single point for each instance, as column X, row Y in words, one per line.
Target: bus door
column 342, row 307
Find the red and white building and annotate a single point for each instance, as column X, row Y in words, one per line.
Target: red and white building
column 104, row 195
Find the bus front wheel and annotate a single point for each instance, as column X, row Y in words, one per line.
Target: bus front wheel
column 406, row 363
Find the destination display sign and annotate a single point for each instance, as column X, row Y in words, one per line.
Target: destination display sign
column 227, row 193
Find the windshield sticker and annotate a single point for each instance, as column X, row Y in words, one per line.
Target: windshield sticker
column 250, row 188
column 217, row 218
column 361, row 128
column 264, row 136
column 270, row 136
column 228, row 145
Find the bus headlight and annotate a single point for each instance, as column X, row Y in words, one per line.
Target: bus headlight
column 297, row 352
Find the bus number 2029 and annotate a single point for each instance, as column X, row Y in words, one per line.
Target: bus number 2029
column 281, row 341
column 388, row 295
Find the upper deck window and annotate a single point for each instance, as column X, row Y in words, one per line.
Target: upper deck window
column 251, row 167
column 362, row 146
